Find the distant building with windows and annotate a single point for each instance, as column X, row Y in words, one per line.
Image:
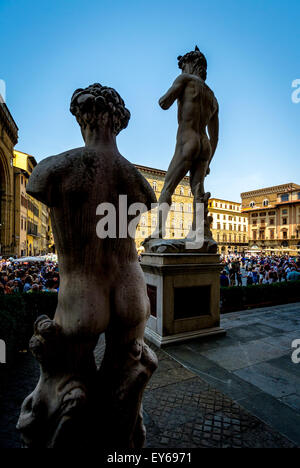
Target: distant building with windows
column 180, row 215
column 229, row 226
column 274, row 219
column 31, row 216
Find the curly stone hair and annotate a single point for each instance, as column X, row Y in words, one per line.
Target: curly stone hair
column 101, row 100
column 197, row 58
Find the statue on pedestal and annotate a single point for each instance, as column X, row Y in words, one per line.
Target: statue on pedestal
column 198, row 112
column 102, row 290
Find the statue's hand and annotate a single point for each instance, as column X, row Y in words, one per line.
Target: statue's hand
column 208, row 171
column 163, row 103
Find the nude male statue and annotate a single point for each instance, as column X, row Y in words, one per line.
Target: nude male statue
column 102, row 289
column 198, row 110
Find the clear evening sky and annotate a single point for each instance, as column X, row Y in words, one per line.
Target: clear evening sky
column 51, row 47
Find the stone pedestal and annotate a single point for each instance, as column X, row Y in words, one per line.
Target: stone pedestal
column 184, row 292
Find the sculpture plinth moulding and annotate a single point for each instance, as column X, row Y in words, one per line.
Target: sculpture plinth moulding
column 198, row 113
column 102, row 290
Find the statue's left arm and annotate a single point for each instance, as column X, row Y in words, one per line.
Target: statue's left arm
column 173, row 93
column 142, row 192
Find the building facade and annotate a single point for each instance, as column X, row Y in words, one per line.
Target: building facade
column 180, row 215
column 31, row 216
column 274, row 219
column 8, row 139
column 229, row 226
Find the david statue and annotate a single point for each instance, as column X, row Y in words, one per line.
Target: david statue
column 102, row 291
column 196, row 144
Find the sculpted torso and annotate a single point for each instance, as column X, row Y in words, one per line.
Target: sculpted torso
column 96, row 274
column 196, row 105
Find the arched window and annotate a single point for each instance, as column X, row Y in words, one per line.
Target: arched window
column 266, row 202
column 143, row 221
column 154, row 185
column 181, row 191
column 252, row 204
column 181, row 207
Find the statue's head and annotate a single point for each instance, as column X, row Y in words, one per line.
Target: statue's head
column 99, row 106
column 193, row 62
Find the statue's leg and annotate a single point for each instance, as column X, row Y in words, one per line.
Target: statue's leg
column 128, row 362
column 197, row 176
column 177, row 170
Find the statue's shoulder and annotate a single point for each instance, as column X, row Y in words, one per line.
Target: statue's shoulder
column 58, row 161
column 47, row 173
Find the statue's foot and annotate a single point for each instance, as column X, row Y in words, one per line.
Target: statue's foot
column 155, row 235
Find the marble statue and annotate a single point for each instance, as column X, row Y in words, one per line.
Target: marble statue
column 198, row 113
column 102, row 291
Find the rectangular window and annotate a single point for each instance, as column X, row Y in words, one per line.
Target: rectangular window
column 272, row 221
column 262, row 234
column 285, row 197
column 284, row 221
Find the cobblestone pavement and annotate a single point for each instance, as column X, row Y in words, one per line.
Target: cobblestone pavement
column 253, row 364
column 180, row 410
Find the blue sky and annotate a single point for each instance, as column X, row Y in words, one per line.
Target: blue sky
column 51, row 47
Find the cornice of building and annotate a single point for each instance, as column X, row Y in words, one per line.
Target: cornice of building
column 152, row 170
column 221, row 200
column 9, row 123
column 290, row 187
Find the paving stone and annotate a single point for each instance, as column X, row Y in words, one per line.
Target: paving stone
column 243, row 354
column 271, row 379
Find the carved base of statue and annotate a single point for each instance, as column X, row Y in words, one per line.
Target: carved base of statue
column 74, row 403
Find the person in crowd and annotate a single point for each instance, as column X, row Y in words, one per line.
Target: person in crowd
column 293, row 275
column 224, row 281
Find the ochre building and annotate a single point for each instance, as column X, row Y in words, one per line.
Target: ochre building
column 31, row 216
column 180, row 215
column 229, row 226
column 274, row 219
column 8, row 139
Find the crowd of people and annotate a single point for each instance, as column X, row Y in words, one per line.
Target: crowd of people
column 259, row 269
column 28, row 277
column 35, row 276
